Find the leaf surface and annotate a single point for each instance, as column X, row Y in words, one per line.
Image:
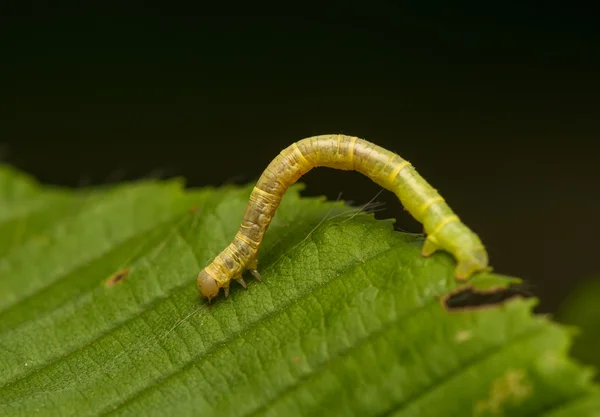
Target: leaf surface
column 99, row 315
column 582, row 309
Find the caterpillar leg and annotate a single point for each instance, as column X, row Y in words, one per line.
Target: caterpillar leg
column 429, row 247
column 455, row 238
column 471, row 263
column 241, row 281
column 238, row 279
column 256, row 275
column 252, row 266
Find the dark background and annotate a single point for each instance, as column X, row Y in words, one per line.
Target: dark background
column 498, row 109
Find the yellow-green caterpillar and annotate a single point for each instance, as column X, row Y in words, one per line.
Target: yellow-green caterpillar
column 443, row 228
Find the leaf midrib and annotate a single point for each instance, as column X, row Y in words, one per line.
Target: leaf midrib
column 148, row 307
column 259, row 322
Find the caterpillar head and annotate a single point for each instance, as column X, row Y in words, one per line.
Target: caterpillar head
column 207, row 285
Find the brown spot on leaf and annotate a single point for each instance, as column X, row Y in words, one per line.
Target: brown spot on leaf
column 117, row 277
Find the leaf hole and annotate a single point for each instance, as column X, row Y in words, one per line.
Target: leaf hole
column 470, row 298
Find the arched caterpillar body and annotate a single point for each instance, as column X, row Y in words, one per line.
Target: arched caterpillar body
column 443, row 228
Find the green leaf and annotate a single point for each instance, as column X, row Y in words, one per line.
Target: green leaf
column 99, row 314
column 582, row 309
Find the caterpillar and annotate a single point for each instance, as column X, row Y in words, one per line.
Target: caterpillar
column 443, row 228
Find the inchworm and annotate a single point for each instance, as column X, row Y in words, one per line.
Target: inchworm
column 443, row 228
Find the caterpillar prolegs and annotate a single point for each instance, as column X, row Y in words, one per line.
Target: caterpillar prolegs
column 443, row 228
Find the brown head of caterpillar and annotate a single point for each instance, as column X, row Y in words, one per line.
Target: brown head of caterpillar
column 207, row 285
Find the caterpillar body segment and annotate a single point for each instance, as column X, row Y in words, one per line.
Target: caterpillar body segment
column 443, row 228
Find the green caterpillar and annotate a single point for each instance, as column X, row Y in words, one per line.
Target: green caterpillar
column 443, row 228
